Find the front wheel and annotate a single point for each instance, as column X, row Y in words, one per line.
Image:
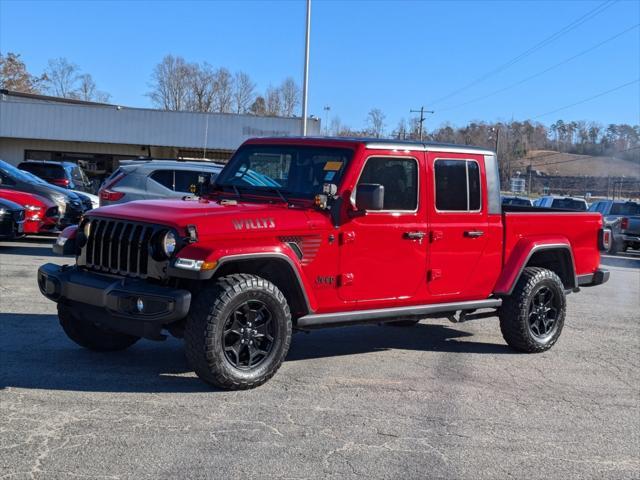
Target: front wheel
column 532, row 317
column 238, row 332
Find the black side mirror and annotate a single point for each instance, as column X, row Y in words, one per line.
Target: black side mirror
column 370, row 196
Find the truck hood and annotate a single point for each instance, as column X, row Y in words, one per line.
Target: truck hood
column 212, row 217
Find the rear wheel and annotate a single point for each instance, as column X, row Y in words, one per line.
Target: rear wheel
column 532, row 317
column 90, row 335
column 238, row 332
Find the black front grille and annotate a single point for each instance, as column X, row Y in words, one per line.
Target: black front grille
column 18, row 215
column 120, row 247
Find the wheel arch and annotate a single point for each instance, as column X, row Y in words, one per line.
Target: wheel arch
column 557, row 257
column 277, row 268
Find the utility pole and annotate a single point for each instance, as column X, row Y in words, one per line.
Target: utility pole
column 305, row 83
column 422, row 111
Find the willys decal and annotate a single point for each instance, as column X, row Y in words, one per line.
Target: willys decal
column 253, row 223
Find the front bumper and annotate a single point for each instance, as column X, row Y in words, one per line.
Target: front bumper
column 598, row 277
column 115, row 301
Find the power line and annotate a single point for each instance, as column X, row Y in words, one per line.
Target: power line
column 563, row 31
column 619, row 87
column 531, row 77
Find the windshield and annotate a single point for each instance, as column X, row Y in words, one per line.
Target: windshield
column 298, row 171
column 628, row 208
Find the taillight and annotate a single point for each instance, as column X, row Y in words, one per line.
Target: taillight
column 110, row 195
column 624, row 223
column 62, row 182
column 606, row 239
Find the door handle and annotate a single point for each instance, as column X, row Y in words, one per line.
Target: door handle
column 414, row 235
column 473, row 233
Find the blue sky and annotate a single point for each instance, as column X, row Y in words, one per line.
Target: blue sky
column 393, row 55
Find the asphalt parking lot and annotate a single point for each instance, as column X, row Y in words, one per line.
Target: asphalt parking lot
column 435, row 401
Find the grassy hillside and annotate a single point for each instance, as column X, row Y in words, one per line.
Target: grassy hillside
column 568, row 164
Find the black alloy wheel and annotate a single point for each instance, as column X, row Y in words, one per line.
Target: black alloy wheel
column 543, row 313
column 249, row 334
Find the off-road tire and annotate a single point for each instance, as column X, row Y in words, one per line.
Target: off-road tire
column 515, row 310
column 204, row 332
column 92, row 336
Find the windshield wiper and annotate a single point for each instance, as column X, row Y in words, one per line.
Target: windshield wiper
column 280, row 194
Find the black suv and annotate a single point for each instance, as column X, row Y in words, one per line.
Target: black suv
column 62, row 174
column 11, row 220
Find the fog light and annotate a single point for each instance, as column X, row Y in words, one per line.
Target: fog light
column 140, row 305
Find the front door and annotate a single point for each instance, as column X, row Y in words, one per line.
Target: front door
column 459, row 223
column 383, row 254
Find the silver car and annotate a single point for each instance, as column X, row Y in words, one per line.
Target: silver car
column 151, row 179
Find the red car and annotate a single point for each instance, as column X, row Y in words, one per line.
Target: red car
column 304, row 233
column 41, row 214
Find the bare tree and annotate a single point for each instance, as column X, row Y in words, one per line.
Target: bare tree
column 14, row 75
column 223, row 91
column 401, row 130
column 258, row 107
column 273, row 102
column 375, row 121
column 87, row 90
column 62, row 77
column 201, row 88
column 290, row 96
column 170, row 83
column 243, row 92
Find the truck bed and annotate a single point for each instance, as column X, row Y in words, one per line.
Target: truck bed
column 579, row 230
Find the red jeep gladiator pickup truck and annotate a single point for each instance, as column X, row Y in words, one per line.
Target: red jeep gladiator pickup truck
column 302, row 233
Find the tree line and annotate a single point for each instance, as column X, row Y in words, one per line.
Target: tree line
column 199, row 87
column 177, row 84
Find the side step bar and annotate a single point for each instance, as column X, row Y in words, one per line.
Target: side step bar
column 390, row 314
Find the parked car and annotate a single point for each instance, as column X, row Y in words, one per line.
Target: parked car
column 304, row 233
column 562, row 203
column 63, row 174
column 11, row 220
column 41, row 214
column 69, row 204
column 517, row 201
column 89, row 201
column 151, row 179
column 623, row 217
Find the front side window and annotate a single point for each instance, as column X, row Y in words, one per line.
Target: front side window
column 186, row 180
column 457, row 185
column 299, row 171
column 399, row 176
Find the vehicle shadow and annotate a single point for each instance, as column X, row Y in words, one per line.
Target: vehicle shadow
column 36, row 354
column 30, row 246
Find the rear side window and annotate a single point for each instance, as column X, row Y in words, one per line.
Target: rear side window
column 44, row 170
column 164, row 178
column 457, row 185
column 399, row 176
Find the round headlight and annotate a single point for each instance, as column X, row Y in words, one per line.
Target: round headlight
column 169, row 243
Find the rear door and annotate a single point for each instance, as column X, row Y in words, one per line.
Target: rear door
column 459, row 226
